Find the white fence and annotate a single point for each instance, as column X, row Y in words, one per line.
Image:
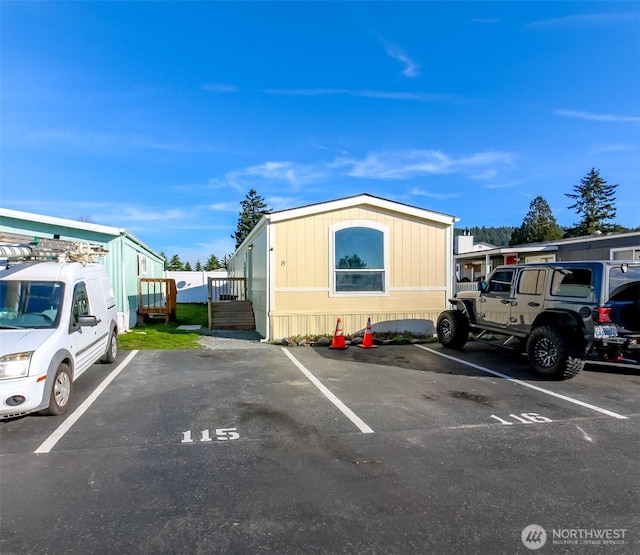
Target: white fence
column 192, row 286
column 466, row 286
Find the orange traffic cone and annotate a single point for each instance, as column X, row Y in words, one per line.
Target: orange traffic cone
column 338, row 337
column 367, row 342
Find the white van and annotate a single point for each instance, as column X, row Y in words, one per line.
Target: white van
column 56, row 320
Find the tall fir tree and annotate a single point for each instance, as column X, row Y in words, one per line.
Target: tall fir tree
column 174, row 264
column 198, row 266
column 212, row 263
column 253, row 208
column 595, row 203
column 538, row 225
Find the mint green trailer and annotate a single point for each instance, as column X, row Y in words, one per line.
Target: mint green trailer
column 128, row 258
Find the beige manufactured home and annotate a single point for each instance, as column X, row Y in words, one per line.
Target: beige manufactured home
column 353, row 258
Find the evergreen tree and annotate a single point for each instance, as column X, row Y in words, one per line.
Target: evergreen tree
column 187, row 267
column 175, row 264
column 164, row 261
column 498, row 236
column 353, row 261
column 198, row 267
column 253, row 208
column 595, row 202
column 538, row 225
column 212, row 263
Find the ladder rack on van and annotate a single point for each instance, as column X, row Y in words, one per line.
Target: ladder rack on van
column 16, row 248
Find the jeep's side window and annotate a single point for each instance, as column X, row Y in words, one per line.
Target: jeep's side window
column 531, row 282
column 80, row 306
column 572, row 283
column 500, row 282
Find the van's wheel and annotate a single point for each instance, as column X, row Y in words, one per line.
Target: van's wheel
column 61, row 391
column 551, row 356
column 111, row 353
column 453, row 329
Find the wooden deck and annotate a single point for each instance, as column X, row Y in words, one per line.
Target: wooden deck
column 228, row 305
column 157, row 298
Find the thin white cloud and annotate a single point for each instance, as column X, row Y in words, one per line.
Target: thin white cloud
column 290, row 173
column 416, row 163
column 219, row 88
column 506, row 185
column 282, row 203
column 136, row 215
column 395, row 52
column 485, row 20
column 97, row 141
column 383, row 95
column 603, row 149
column 613, row 118
column 378, row 166
column 582, row 20
column 224, row 207
column 431, row 194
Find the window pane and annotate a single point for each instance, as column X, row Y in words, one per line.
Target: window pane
column 501, row 282
column 359, row 281
column 359, row 248
column 531, row 282
column 571, row 283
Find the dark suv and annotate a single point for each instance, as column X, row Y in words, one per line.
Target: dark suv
column 559, row 312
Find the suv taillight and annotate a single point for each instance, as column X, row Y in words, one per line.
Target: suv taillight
column 602, row 315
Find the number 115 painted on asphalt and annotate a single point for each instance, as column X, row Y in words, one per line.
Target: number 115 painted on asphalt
column 222, row 434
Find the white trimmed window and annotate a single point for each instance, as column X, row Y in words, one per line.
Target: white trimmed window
column 628, row 253
column 142, row 264
column 359, row 252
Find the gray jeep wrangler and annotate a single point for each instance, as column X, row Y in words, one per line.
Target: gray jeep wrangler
column 560, row 313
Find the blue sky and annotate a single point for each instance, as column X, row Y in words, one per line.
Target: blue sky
column 159, row 117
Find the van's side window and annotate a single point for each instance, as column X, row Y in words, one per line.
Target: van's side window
column 80, row 306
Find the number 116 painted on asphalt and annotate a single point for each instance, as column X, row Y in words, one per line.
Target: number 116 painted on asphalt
column 524, row 418
column 222, row 434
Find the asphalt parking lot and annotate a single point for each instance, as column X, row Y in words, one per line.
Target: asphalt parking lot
column 399, row 449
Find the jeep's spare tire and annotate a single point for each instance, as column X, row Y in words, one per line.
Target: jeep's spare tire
column 453, row 329
column 551, row 355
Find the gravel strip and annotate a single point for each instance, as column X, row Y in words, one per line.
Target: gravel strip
column 231, row 339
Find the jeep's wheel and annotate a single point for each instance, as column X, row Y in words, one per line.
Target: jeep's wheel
column 453, row 329
column 551, row 356
column 111, row 353
column 61, row 391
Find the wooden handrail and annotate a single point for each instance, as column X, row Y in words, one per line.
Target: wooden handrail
column 226, row 289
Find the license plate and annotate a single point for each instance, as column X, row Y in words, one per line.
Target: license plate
column 601, row 332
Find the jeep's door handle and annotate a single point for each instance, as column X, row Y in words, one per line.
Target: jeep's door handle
column 533, row 303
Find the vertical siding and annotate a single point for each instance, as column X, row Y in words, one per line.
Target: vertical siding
column 121, row 262
column 417, row 254
column 417, row 266
column 417, row 249
column 259, row 280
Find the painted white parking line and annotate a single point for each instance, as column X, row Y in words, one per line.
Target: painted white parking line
column 525, row 384
column 56, row 436
column 337, row 402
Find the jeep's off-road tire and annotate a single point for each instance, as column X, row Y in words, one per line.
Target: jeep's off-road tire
column 453, row 329
column 61, row 391
column 551, row 355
